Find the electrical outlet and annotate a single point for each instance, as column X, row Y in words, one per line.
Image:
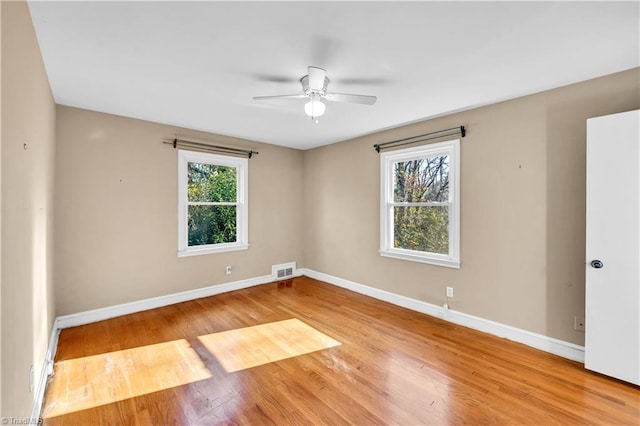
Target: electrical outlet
column 578, row 323
column 227, row 270
column 450, row 292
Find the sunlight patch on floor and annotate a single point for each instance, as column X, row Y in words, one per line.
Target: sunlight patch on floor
column 92, row 381
column 261, row 344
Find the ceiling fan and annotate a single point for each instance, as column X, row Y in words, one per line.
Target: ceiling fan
column 314, row 87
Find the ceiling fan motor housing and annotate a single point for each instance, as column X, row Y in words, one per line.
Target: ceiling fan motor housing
column 309, row 91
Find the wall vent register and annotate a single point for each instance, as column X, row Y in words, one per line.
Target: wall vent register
column 283, row 271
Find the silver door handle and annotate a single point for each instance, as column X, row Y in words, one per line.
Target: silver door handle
column 597, row 264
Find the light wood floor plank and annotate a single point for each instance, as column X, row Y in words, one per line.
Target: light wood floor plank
column 391, row 366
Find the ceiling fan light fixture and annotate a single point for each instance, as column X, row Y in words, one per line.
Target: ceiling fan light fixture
column 314, row 87
column 314, row 108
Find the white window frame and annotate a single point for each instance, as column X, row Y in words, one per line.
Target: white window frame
column 242, row 205
column 387, row 160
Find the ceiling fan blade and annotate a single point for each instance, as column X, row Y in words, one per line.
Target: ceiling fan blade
column 272, row 78
column 354, row 99
column 265, row 98
column 377, row 81
column 316, row 78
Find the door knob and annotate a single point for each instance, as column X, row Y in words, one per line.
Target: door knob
column 597, row 264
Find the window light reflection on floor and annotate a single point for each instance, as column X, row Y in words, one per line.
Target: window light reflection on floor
column 92, row 381
column 260, row 344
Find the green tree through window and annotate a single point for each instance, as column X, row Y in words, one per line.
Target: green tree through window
column 420, row 204
column 212, row 203
column 210, row 189
column 418, row 226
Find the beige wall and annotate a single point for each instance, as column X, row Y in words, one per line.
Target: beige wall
column 522, row 208
column 28, row 117
column 116, row 212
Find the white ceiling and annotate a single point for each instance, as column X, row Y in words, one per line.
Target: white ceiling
column 198, row 64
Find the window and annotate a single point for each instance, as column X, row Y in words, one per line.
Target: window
column 212, row 203
column 420, row 206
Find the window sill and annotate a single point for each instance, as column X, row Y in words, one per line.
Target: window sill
column 211, row 250
column 449, row 263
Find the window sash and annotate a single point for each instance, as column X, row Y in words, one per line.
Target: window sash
column 241, row 203
column 427, row 158
column 421, row 204
column 388, row 181
column 212, row 203
column 206, row 185
column 393, row 235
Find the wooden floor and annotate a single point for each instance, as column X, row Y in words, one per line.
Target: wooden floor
column 379, row 364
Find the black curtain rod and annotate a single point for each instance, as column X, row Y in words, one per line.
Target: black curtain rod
column 213, row 148
column 425, row 137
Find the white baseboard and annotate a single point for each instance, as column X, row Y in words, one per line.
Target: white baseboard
column 538, row 341
column 45, row 372
column 94, row 315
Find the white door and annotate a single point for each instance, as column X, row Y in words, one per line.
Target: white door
column 612, row 325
